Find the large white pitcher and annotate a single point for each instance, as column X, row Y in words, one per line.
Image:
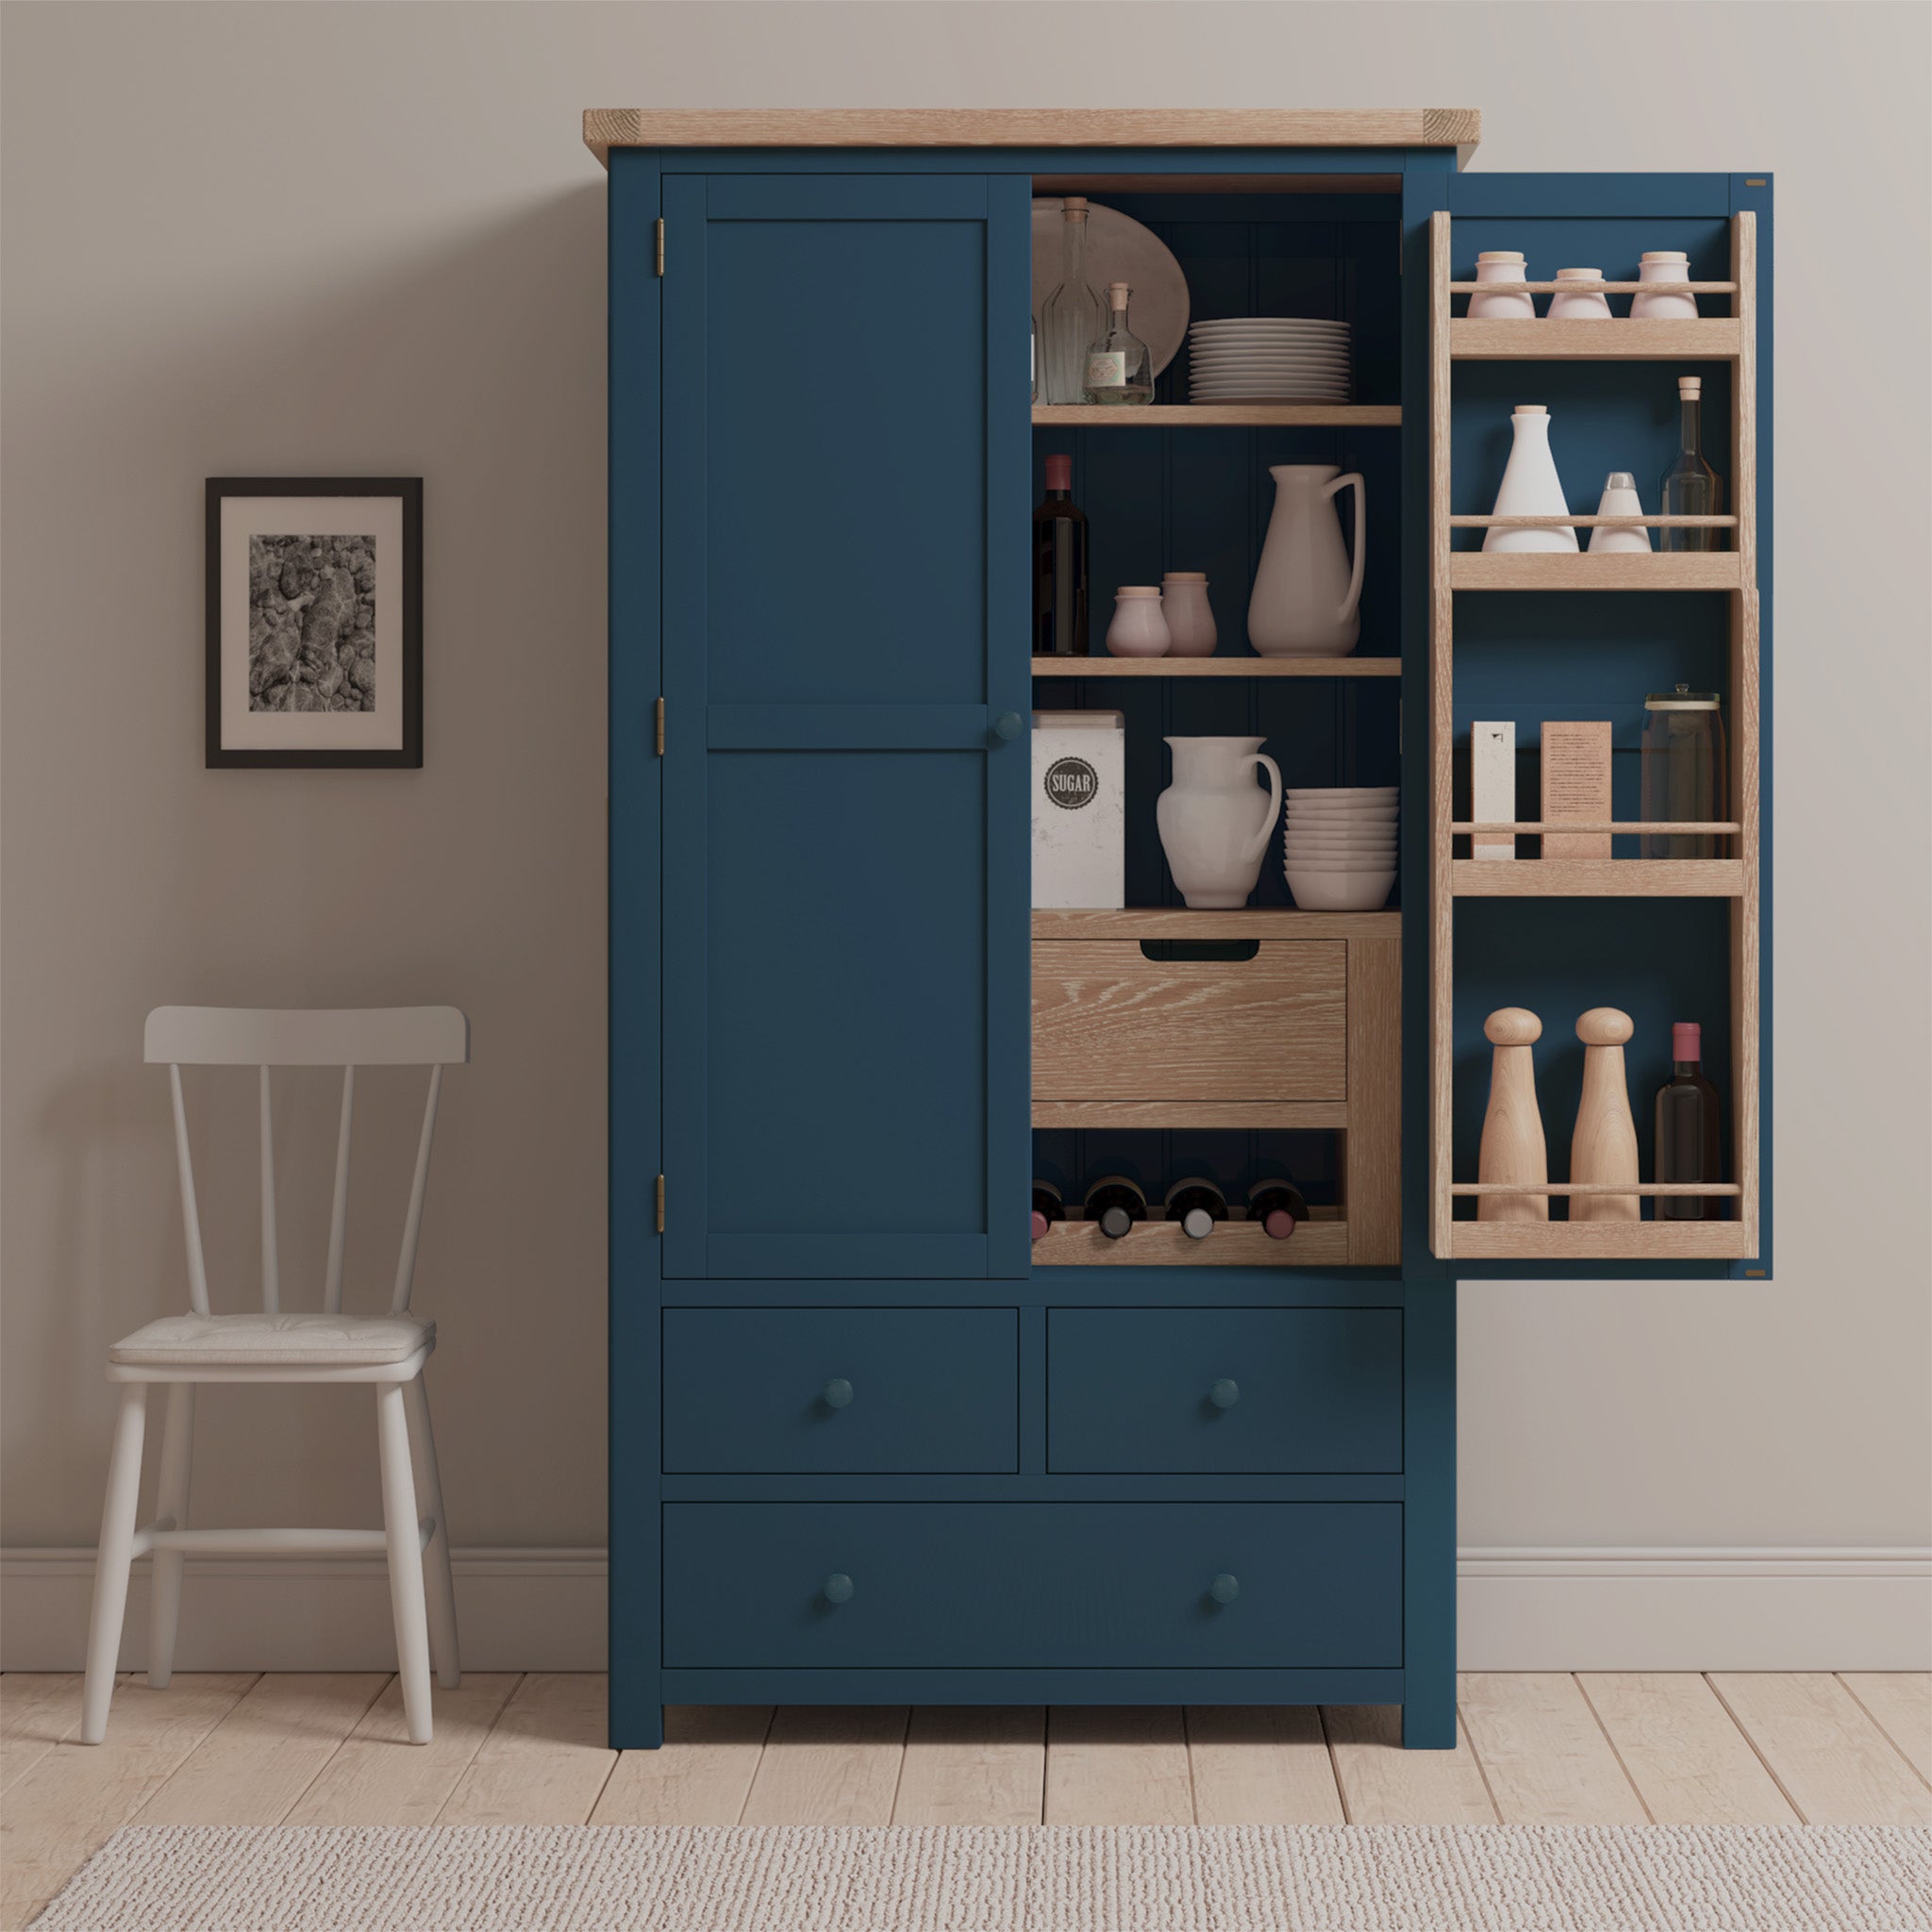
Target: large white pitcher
column 1215, row 825
column 1306, row 599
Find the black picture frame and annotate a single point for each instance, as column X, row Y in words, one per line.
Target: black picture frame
column 408, row 754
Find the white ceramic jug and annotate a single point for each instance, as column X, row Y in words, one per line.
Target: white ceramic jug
column 1531, row 487
column 1307, row 598
column 1214, row 823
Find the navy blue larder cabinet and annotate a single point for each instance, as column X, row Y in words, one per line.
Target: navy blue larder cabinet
column 870, row 1441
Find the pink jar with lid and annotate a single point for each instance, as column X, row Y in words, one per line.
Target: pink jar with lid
column 1663, row 265
column 1502, row 265
column 1138, row 629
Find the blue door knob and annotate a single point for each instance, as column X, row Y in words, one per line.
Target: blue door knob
column 1224, row 1589
column 836, row 1393
column 1007, row 724
column 1224, row 1395
column 837, row 1587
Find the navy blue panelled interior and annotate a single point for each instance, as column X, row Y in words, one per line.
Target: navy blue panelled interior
column 821, row 890
column 1660, row 960
column 1073, row 1159
column 865, row 581
column 1543, row 656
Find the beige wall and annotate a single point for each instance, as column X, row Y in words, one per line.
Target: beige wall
column 365, row 238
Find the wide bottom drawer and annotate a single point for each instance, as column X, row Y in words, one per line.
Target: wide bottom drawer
column 1032, row 1585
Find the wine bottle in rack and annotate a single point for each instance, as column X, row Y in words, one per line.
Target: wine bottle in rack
column 1197, row 1205
column 1047, row 1207
column 1278, row 1207
column 1059, row 567
column 1689, row 1140
column 1116, row 1203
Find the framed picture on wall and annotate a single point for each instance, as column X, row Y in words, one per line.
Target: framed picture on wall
column 315, row 621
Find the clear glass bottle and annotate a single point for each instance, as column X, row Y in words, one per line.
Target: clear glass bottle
column 1119, row 368
column 1682, row 779
column 1073, row 313
column 1690, row 487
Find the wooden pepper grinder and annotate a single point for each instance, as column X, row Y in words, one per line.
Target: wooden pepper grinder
column 1604, row 1148
column 1512, row 1146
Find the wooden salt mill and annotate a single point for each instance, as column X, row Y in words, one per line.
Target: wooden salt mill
column 1512, row 1145
column 1604, row 1147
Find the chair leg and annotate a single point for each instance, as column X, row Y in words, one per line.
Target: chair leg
column 171, row 1512
column 405, row 1558
column 112, row 1562
column 441, row 1585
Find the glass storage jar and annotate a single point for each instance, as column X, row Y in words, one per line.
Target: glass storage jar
column 1684, row 778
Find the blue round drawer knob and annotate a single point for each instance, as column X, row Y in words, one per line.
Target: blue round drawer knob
column 836, row 1393
column 1008, row 725
column 837, row 1587
column 1224, row 1589
column 1224, row 1395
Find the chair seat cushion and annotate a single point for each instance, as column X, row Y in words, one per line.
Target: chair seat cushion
column 339, row 1341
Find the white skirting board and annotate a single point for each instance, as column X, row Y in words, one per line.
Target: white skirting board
column 1519, row 1609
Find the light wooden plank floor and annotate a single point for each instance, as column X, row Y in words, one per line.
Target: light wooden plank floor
column 1535, row 1748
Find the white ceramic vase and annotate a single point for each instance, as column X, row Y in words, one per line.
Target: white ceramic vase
column 1531, row 487
column 1663, row 265
column 1307, row 601
column 1502, row 265
column 1620, row 499
column 1214, row 822
column 1190, row 616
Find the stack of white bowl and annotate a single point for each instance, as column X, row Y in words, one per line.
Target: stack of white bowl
column 1339, row 841
column 1267, row 358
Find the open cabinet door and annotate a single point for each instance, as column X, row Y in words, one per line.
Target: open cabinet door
column 1579, row 636
column 846, row 743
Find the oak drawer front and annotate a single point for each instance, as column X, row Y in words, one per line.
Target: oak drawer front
column 836, row 1390
column 1032, row 1585
column 1229, row 1391
column 1110, row 1024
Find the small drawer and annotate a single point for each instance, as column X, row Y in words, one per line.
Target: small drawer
column 1188, row 1391
column 1032, row 1585
column 1110, row 1024
column 841, row 1391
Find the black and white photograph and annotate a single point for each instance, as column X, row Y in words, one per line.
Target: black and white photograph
column 314, row 629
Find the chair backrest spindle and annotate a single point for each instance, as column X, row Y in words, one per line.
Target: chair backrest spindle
column 413, row 1223
column 190, row 1213
column 271, row 1244
column 339, row 1206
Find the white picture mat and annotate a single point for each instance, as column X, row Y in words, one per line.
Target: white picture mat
column 243, row 517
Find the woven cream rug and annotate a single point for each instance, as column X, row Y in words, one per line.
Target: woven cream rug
column 1117, row 1878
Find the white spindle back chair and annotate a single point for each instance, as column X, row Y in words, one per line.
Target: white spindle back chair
column 183, row 1350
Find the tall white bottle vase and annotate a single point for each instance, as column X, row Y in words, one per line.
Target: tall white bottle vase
column 1531, row 487
column 1620, row 499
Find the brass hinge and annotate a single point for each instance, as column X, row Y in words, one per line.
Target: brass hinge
column 661, row 244
column 660, row 1204
column 659, row 709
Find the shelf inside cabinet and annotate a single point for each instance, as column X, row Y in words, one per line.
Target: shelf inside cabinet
column 1320, row 1241
column 1218, row 416
column 1217, row 667
column 1250, row 922
column 1249, row 1116
column 1661, row 570
column 1596, row 878
column 1490, row 339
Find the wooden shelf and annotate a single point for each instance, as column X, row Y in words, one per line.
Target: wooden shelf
column 1599, row 1240
column 1662, row 570
column 1254, row 1115
column 1492, row 339
column 1249, row 923
column 1217, row 667
column 1218, row 416
column 1596, row 878
column 1320, row 1241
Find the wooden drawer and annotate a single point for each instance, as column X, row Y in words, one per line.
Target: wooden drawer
column 1032, row 1585
column 1110, row 1024
column 832, row 1390
column 1300, row 1390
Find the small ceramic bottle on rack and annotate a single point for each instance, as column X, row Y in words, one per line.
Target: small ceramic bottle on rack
column 1531, row 487
column 1502, row 265
column 1584, row 301
column 1663, row 265
column 1620, row 499
column 1189, row 618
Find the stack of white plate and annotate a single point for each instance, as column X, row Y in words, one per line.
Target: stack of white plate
column 1339, row 841
column 1268, row 359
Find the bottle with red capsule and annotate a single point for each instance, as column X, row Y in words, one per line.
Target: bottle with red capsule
column 1047, row 1207
column 1278, row 1207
